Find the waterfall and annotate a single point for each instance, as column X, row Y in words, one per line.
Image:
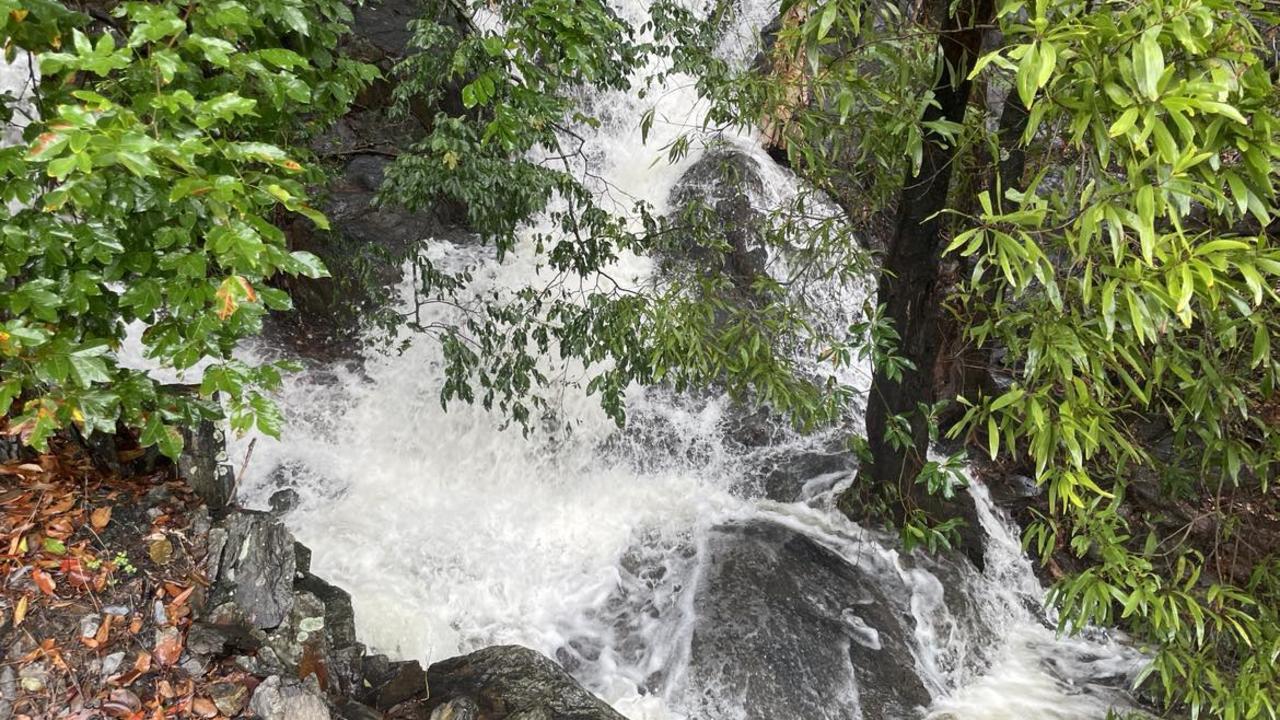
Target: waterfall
column 606, row 549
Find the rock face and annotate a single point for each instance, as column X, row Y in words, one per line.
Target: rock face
column 723, row 182
column 369, row 242
column 202, row 465
column 266, row 608
column 253, row 562
column 508, row 681
column 783, row 623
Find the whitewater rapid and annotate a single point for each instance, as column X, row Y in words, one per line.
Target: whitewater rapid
column 452, row 533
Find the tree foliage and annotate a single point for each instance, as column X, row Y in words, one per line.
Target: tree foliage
column 163, row 141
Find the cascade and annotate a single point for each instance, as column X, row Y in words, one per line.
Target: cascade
column 644, row 560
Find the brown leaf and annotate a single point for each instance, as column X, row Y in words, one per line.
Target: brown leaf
column 20, row 612
column 122, row 703
column 104, row 630
column 161, row 551
column 100, row 517
column 143, row 662
column 203, row 707
column 43, row 581
column 59, row 507
column 182, row 597
column 135, row 624
column 168, row 646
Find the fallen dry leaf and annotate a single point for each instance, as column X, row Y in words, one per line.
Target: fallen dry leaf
column 20, row 612
column 181, row 599
column 100, row 517
column 122, row 703
column 168, row 646
column 43, row 581
column 203, row 707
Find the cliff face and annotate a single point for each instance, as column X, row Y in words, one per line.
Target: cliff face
column 369, row 243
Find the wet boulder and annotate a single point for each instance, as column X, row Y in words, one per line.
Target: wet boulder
column 786, row 627
column 509, row 681
column 714, row 197
column 203, row 464
column 252, row 562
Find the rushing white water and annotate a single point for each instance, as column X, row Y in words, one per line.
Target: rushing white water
column 452, row 534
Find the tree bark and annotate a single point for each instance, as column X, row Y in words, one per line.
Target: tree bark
column 908, row 284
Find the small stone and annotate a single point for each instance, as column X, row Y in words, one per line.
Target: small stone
column 284, row 501
column 194, row 665
column 161, row 551
column 203, row 707
column 32, row 683
column 111, row 663
column 248, row 663
column 230, row 698
column 33, row 677
column 89, row 625
column 117, row 610
column 275, row 700
column 158, row 614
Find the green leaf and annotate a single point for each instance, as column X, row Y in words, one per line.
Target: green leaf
column 307, row 264
column 1148, row 63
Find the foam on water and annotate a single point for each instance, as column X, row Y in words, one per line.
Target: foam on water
column 451, row 533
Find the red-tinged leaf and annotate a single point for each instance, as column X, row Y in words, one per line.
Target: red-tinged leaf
column 43, row 581
column 183, row 596
column 122, row 703
column 168, row 646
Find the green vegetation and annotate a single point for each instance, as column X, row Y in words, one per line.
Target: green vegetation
column 164, row 141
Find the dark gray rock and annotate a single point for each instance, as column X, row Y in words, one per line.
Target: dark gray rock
column 284, row 501
column 302, row 561
column 217, row 640
column 339, row 616
column 788, row 628
column 509, row 681
column 722, row 182
column 203, row 465
column 393, row 683
column 12, row 450
column 352, row 710
column 255, row 571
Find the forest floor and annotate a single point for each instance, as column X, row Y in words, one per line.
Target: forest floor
column 99, row 570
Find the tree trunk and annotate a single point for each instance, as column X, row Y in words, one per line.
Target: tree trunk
column 908, row 283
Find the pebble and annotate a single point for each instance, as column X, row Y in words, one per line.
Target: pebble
column 33, row 677
column 89, row 625
column 111, row 663
column 161, row 551
column 117, row 610
column 230, row 698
